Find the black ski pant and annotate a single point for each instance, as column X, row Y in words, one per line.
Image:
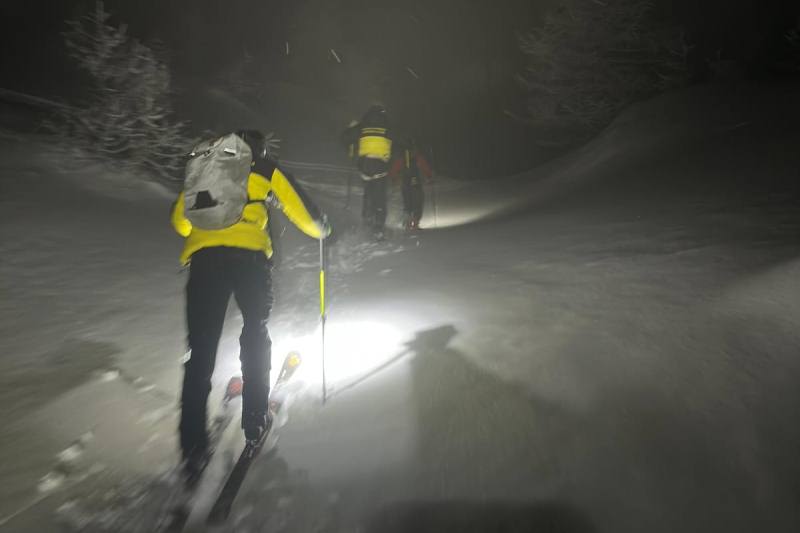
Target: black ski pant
column 214, row 274
column 413, row 198
column 373, row 207
column 373, row 210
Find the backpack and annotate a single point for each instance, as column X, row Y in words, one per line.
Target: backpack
column 215, row 187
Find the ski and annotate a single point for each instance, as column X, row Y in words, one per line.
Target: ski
column 281, row 393
column 278, row 402
column 179, row 503
column 222, row 506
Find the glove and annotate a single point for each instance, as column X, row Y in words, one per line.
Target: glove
column 325, row 228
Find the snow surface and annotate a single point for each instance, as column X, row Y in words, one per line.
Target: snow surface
column 607, row 343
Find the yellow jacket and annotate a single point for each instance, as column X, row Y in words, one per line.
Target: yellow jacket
column 375, row 143
column 251, row 231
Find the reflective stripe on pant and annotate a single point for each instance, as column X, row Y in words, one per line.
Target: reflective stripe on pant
column 214, row 274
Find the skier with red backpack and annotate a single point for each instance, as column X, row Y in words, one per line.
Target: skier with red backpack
column 412, row 167
column 222, row 213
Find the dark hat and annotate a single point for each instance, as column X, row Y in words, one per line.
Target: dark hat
column 256, row 140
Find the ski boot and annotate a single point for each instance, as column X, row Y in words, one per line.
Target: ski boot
column 195, row 462
column 256, row 425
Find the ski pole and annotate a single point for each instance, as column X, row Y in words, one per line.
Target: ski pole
column 322, row 306
column 433, row 188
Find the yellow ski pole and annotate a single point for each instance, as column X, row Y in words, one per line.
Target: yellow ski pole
column 322, row 306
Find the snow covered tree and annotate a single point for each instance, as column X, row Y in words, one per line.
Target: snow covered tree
column 128, row 115
column 591, row 58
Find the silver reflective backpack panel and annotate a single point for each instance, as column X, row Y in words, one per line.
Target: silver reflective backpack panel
column 215, row 188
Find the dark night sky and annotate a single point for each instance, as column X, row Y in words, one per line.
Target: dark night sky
column 201, row 32
column 465, row 56
column 31, row 28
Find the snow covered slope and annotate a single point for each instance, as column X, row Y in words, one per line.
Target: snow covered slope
column 619, row 356
column 90, row 316
column 607, row 343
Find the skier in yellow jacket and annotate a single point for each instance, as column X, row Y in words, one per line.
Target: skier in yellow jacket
column 235, row 260
column 370, row 144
